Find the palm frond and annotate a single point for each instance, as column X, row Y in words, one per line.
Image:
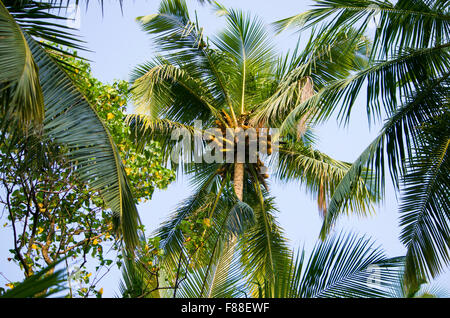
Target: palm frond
column 343, row 266
column 165, row 90
column 245, row 41
column 321, row 175
column 220, row 280
column 397, row 136
column 45, row 21
column 20, row 89
column 407, row 23
column 425, row 206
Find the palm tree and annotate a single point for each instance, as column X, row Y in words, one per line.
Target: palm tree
column 225, row 82
column 342, row 266
column 407, row 83
column 39, row 99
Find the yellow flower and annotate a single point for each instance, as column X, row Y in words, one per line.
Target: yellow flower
column 40, row 230
column 95, row 242
column 10, row 285
column 101, row 291
column 110, row 116
column 41, row 207
column 207, row 222
column 34, row 246
column 128, row 170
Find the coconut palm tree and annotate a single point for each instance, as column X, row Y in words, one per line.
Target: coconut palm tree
column 224, row 82
column 407, row 85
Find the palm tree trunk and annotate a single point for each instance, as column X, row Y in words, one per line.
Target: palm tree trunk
column 239, row 180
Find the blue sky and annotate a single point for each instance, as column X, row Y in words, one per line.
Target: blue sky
column 118, row 45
